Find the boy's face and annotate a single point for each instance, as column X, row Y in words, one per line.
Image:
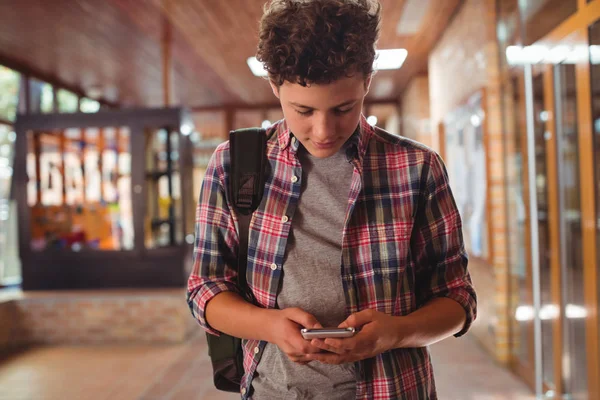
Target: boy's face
column 323, row 117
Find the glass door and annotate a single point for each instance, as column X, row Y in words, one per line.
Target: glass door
column 555, row 300
column 573, row 307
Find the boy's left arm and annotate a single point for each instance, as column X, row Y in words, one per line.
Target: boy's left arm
column 447, row 303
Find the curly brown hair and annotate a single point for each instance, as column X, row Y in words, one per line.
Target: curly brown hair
column 318, row 41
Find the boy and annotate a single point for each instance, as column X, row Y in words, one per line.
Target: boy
column 357, row 228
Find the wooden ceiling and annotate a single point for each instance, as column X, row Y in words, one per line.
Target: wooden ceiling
column 116, row 46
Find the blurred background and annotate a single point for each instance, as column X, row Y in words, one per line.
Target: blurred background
column 110, row 110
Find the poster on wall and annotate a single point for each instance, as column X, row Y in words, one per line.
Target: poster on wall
column 466, row 164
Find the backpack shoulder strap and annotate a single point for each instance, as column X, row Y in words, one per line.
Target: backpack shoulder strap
column 248, row 159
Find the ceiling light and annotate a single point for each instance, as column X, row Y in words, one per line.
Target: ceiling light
column 390, row 59
column 266, row 123
column 524, row 313
column 257, row 68
column 574, row 311
column 385, row 59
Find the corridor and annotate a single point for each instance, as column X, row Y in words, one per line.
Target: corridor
column 183, row 372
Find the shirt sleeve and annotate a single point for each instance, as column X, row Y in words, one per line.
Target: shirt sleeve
column 438, row 247
column 215, row 264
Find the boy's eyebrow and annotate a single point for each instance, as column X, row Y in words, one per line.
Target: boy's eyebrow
column 310, row 108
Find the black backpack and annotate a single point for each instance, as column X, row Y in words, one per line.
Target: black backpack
column 248, row 160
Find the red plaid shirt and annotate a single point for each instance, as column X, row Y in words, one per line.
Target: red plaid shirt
column 402, row 246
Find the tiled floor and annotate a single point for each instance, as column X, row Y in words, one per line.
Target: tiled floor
column 463, row 372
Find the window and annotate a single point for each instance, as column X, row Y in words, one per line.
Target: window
column 67, row 101
column 89, row 105
column 9, row 93
column 79, row 189
column 41, row 97
column 163, row 219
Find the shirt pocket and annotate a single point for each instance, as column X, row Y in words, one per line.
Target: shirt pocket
column 389, row 245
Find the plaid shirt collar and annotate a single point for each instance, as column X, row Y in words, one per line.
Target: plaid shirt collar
column 355, row 149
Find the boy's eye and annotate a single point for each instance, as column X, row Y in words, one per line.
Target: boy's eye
column 344, row 111
column 336, row 111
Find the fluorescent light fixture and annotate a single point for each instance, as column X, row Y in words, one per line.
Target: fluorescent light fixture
column 574, row 311
column 549, row 311
column 578, row 54
column 524, row 313
column 390, row 59
column 257, row 68
column 385, row 60
column 561, row 54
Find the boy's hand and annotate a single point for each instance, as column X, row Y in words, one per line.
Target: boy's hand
column 378, row 333
column 285, row 333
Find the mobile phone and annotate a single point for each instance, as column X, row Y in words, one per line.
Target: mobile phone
column 327, row 333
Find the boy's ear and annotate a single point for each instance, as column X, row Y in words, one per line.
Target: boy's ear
column 368, row 81
column 275, row 88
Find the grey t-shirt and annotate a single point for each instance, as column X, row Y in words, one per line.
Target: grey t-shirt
column 312, row 281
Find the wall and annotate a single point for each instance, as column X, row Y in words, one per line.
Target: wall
column 416, row 123
column 93, row 317
column 464, row 61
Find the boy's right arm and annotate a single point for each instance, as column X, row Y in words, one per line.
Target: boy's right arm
column 228, row 312
column 212, row 291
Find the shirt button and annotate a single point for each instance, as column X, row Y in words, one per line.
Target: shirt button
column 294, row 179
column 243, row 391
column 285, row 219
column 256, row 350
column 273, row 266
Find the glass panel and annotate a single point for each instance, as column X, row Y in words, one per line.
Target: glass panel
column 65, row 190
column 89, row 105
column 465, row 159
column 514, row 124
column 210, row 132
column 548, row 311
column 9, row 93
column 67, row 101
column 595, row 81
column 10, row 266
column 163, row 219
column 540, row 17
column 514, row 106
column 41, row 96
column 574, row 357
